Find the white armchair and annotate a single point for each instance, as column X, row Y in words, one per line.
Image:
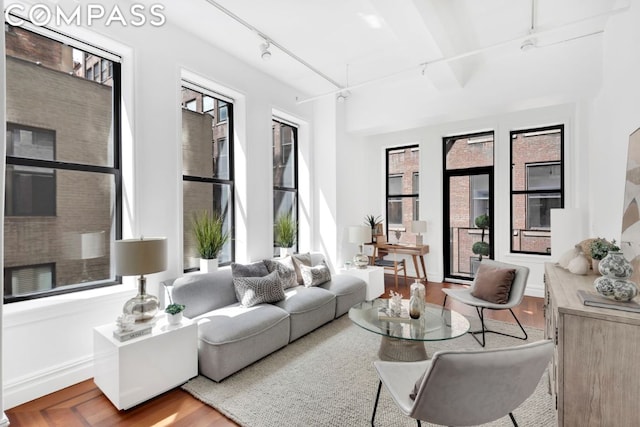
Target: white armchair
column 463, row 388
column 516, row 294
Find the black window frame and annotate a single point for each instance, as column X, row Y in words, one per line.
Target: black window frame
column 396, row 197
column 291, row 190
column 114, row 170
column 217, row 181
column 526, row 192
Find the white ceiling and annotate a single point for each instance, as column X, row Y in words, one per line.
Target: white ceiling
column 356, row 43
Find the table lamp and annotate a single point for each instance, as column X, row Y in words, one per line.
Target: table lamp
column 418, row 227
column 359, row 234
column 139, row 257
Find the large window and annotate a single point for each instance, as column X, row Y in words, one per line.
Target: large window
column 536, row 186
column 403, row 168
column 62, row 182
column 285, row 172
column 207, row 163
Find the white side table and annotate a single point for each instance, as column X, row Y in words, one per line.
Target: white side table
column 133, row 371
column 373, row 276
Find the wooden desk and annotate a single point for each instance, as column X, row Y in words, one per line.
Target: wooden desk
column 404, row 249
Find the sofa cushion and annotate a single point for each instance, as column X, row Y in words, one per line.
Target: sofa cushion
column 349, row 290
column 285, row 269
column 203, row 292
column 256, row 290
column 316, row 275
column 308, row 308
column 298, row 259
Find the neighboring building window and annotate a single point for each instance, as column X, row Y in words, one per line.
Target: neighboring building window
column 207, row 164
column 62, row 181
column 285, row 171
column 403, row 168
column 222, row 111
column 416, row 190
column 536, row 186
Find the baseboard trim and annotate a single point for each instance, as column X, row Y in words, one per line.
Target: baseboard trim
column 4, row 421
column 38, row 384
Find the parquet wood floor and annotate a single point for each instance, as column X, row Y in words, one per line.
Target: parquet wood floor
column 84, row 404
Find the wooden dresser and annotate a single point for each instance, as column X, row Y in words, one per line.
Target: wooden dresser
column 595, row 373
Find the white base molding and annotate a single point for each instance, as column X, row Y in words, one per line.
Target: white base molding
column 4, row 421
column 41, row 383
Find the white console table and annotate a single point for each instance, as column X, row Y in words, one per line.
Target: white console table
column 133, row 371
column 373, row 276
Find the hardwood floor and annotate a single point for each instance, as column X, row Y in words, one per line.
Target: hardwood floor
column 84, row 404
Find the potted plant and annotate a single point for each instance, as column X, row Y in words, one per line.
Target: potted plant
column 600, row 248
column 285, row 233
column 173, row 310
column 375, row 222
column 481, row 248
column 208, row 229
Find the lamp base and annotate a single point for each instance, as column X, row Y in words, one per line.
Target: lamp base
column 419, row 240
column 361, row 260
column 143, row 306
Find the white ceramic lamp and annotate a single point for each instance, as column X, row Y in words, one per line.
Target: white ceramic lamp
column 418, row 227
column 139, row 257
column 359, row 234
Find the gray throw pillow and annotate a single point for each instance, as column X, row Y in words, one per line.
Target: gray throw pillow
column 301, row 259
column 286, row 271
column 255, row 269
column 316, row 275
column 256, row 290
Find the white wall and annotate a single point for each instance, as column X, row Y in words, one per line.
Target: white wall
column 615, row 115
column 48, row 342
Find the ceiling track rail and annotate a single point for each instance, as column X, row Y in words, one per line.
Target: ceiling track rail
column 274, row 43
column 424, row 65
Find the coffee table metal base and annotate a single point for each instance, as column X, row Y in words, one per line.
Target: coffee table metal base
column 400, row 350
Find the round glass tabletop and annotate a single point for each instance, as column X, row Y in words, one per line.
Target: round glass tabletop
column 435, row 324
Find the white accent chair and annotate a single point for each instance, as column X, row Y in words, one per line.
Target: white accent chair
column 516, row 294
column 463, row 388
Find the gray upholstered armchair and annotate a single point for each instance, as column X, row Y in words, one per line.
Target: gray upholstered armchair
column 463, row 388
column 515, row 295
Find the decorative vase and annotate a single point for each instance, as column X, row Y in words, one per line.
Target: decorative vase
column 595, row 265
column 615, row 282
column 208, row 265
column 415, row 306
column 174, row 319
column 419, row 291
column 285, row 251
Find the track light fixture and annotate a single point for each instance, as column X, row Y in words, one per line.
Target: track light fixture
column 265, row 54
column 528, row 45
column 342, row 96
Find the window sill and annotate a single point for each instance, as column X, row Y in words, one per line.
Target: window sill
column 42, row 309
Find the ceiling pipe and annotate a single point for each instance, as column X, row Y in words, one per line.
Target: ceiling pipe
column 274, row 43
column 422, row 66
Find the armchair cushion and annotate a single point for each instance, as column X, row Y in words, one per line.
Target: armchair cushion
column 493, row 284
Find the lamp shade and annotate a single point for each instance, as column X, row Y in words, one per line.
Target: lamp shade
column 140, row 256
column 359, row 234
column 418, row 226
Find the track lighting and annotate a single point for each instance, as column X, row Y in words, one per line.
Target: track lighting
column 342, row 96
column 265, row 54
column 528, row 44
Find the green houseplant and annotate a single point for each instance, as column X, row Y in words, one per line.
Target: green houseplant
column 285, row 232
column 600, row 248
column 481, row 248
column 208, row 229
column 173, row 310
column 375, row 222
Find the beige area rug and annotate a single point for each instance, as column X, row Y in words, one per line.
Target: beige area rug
column 327, row 378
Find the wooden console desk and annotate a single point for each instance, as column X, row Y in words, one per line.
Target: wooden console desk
column 403, row 249
column 594, row 370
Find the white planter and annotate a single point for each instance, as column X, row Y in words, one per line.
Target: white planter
column 285, row 251
column 208, row 265
column 174, row 319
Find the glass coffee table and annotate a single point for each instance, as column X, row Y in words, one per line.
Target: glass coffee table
column 403, row 339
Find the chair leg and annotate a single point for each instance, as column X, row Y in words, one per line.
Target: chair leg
column 419, row 425
column 375, row 406
column 513, row 420
column 484, row 329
